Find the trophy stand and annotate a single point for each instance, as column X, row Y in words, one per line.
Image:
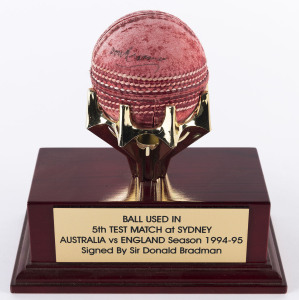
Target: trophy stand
column 75, row 190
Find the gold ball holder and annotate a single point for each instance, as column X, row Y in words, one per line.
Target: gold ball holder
column 148, row 150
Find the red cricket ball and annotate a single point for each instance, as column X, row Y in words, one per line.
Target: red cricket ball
column 148, row 60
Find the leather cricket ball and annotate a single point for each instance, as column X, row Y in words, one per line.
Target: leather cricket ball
column 149, row 60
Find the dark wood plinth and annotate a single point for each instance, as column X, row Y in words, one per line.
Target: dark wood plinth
column 89, row 177
column 31, row 277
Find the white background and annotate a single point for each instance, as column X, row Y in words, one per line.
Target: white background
column 252, row 49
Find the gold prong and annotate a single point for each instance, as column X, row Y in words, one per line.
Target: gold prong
column 147, row 151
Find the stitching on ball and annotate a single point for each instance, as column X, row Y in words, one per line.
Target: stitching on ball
column 149, row 78
column 148, row 105
column 147, row 91
column 143, row 100
column 185, row 108
column 147, row 85
column 149, row 111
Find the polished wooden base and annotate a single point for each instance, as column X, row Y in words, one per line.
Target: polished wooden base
column 31, row 277
column 197, row 178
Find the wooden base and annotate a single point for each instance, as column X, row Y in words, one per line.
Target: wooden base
column 100, row 178
column 31, row 277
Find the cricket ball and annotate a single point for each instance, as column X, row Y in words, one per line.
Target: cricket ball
column 149, row 60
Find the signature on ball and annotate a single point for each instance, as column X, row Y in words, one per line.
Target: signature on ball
column 137, row 60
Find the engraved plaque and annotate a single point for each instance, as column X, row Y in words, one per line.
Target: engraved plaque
column 151, row 234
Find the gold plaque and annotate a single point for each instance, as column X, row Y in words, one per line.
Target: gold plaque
column 151, row 235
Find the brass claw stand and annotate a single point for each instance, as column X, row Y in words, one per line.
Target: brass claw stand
column 148, row 150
